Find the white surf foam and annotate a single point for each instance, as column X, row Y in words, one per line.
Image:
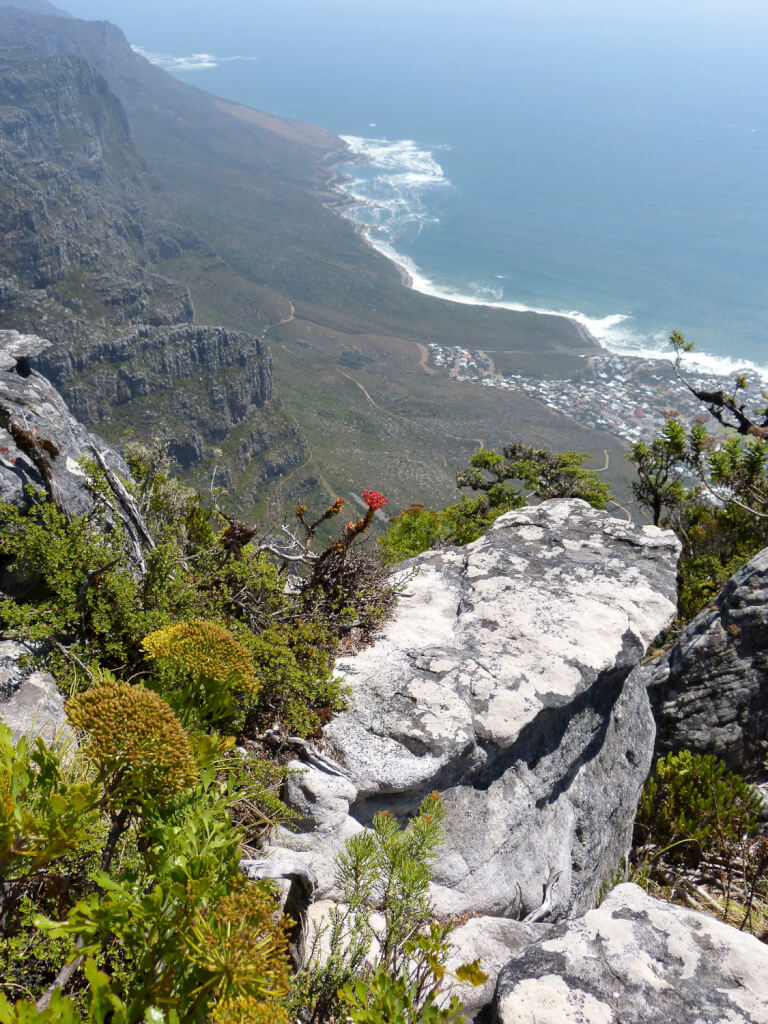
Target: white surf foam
column 392, row 198
column 402, row 155
column 389, row 183
column 193, row 62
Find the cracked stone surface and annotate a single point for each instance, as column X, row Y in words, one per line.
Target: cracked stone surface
column 502, row 682
column 31, row 401
column 636, row 960
column 709, row 692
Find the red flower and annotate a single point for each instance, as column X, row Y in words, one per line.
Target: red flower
column 374, row 500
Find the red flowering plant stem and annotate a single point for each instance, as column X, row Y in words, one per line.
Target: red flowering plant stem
column 374, row 500
column 299, row 550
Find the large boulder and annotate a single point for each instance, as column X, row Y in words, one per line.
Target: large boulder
column 502, row 683
column 709, row 692
column 635, row 960
column 31, row 407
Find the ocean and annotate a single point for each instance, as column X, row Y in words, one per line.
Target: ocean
column 609, row 164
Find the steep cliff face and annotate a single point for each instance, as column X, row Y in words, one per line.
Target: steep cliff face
column 80, row 241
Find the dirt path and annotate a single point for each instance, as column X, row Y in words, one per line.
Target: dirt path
column 285, row 320
column 424, row 359
column 626, row 511
column 607, row 462
column 373, row 404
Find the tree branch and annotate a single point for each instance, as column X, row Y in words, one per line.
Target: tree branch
column 719, row 402
column 133, row 519
column 62, row 979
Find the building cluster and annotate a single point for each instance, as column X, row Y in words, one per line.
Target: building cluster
column 622, row 395
column 461, row 363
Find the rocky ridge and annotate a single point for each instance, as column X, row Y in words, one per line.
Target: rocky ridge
column 81, row 240
column 41, row 442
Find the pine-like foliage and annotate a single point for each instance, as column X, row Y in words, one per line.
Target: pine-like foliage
column 695, row 808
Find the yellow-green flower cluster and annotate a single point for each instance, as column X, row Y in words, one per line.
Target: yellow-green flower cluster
column 136, row 742
column 203, row 649
column 245, row 950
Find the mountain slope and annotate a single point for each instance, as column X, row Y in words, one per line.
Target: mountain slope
column 79, row 253
column 259, row 189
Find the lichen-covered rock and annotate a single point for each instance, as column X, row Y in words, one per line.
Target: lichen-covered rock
column 502, row 683
column 30, row 702
column 29, row 403
column 492, row 940
column 709, row 692
column 636, row 960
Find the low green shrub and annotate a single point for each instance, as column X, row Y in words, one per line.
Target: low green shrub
column 206, row 674
column 693, row 808
column 504, row 482
column 383, row 870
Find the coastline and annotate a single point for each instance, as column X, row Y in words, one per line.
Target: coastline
column 410, row 276
column 718, row 368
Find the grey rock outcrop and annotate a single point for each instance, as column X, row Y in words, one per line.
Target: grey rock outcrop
column 30, row 404
column 502, row 683
column 30, row 702
column 709, row 692
column 636, row 960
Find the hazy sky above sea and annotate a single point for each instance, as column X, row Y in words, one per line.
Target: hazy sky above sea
column 647, row 10
column 720, row 42
column 452, row 15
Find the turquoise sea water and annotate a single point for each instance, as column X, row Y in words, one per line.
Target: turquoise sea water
column 612, row 164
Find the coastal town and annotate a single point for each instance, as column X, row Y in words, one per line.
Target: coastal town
column 623, row 395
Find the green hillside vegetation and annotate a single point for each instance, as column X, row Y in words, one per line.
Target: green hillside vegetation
column 709, row 484
column 504, row 482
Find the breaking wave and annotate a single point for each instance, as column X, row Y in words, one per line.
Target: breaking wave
column 193, row 62
column 389, row 184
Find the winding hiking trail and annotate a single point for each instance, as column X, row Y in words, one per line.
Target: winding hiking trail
column 424, row 360
column 607, row 462
column 286, row 319
column 626, row 511
column 373, row 404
